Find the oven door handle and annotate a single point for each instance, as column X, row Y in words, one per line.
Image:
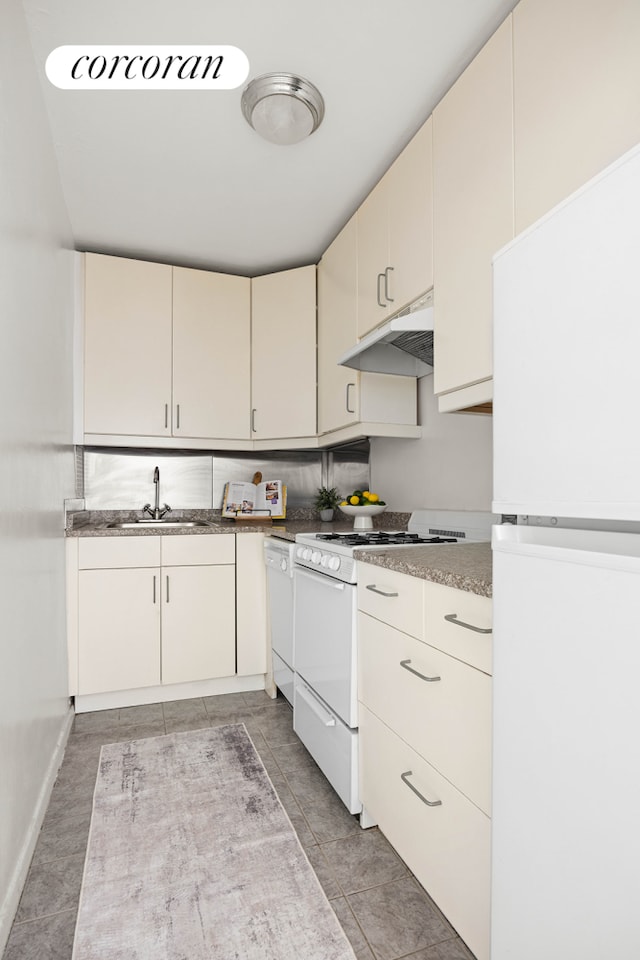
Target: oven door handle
column 328, row 720
column 322, row 578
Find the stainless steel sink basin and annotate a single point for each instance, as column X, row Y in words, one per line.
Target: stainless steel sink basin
column 132, row 524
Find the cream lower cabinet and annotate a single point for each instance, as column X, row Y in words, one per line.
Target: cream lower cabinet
column 425, row 737
column 347, row 397
column 154, row 610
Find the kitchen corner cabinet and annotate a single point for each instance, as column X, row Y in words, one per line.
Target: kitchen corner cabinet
column 424, row 687
column 346, row 396
column 166, row 351
column 283, row 354
column 395, row 237
column 154, row 610
column 576, row 103
column 473, row 206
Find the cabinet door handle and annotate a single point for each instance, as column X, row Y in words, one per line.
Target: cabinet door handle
column 386, row 285
column 453, row 618
column 166, row 415
column 405, row 665
column 154, row 588
column 177, row 416
column 167, row 589
column 349, row 410
column 374, row 589
column 380, row 303
column 405, row 779
column 253, row 420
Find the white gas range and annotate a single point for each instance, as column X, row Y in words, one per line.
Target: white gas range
column 325, row 708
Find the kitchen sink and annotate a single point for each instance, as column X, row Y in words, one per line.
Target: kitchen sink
column 131, row 524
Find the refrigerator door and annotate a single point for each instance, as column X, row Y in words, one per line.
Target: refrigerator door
column 567, row 356
column 566, row 773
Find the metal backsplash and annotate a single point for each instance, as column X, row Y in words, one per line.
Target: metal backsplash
column 122, row 479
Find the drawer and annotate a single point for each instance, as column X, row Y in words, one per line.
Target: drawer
column 392, row 597
column 446, row 846
column 178, row 551
column 446, row 718
column 96, row 553
column 457, row 638
column 283, row 677
column 332, row 744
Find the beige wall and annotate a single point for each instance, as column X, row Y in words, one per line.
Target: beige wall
column 36, row 461
column 450, row 467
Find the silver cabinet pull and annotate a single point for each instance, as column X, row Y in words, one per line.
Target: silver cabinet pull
column 167, row 589
column 374, row 589
column 453, row 618
column 386, row 285
column 405, row 665
column 166, row 415
column 381, row 276
column 253, row 420
column 405, row 779
column 349, row 410
column 154, row 588
column 177, row 416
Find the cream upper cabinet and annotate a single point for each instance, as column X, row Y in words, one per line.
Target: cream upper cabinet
column 211, row 354
column 576, row 83
column 166, row 351
column 127, row 347
column 395, row 240
column 473, row 212
column 283, row 354
column 346, row 396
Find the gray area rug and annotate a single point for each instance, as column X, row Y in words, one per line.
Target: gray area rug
column 191, row 856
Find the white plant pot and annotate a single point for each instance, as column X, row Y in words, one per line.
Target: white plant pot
column 326, row 515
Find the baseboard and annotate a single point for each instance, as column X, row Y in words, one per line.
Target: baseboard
column 16, row 884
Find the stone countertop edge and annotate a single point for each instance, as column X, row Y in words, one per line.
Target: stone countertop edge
column 464, row 566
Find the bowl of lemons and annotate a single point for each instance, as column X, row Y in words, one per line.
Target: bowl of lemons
column 362, row 505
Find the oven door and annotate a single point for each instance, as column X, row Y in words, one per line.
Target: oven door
column 325, row 617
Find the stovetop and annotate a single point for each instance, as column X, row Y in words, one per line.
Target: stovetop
column 379, row 538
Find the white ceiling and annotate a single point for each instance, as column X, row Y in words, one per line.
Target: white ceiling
column 180, row 177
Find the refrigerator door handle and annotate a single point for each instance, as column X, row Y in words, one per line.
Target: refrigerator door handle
column 453, row 618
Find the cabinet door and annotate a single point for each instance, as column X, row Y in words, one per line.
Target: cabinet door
column 127, row 347
column 283, row 345
column 118, row 629
column 473, row 210
column 338, row 387
column 211, row 354
column 373, row 257
column 576, row 103
column 198, row 623
column 411, row 220
column 251, row 605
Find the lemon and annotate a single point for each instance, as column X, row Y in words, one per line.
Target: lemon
column 354, row 500
column 373, row 497
column 343, row 503
column 366, row 494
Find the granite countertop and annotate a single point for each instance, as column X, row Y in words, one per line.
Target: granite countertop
column 465, row 566
column 95, row 523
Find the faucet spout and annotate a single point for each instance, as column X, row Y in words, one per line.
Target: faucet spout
column 156, row 513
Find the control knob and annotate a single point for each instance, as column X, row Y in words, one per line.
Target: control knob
column 284, row 564
column 315, row 556
column 334, row 563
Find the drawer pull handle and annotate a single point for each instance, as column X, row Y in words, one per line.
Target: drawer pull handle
column 405, row 779
column 405, row 665
column 374, row 589
column 453, row 618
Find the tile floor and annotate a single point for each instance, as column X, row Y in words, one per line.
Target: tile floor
column 384, row 912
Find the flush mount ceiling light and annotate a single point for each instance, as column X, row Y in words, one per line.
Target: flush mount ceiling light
column 282, row 108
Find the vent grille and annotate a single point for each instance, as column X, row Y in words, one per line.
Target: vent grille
column 447, row 533
column 417, row 343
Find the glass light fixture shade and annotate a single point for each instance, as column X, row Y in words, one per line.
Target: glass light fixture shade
column 282, row 108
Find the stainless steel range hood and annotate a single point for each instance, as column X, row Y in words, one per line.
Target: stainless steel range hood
column 402, row 345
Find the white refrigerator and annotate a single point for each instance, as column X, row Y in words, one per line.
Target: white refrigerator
column 566, row 782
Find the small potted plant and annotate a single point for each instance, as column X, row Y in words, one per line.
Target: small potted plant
column 327, row 499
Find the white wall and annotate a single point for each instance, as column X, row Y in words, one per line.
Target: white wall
column 36, row 458
column 449, row 468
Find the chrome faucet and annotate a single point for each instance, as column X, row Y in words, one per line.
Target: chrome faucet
column 156, row 513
